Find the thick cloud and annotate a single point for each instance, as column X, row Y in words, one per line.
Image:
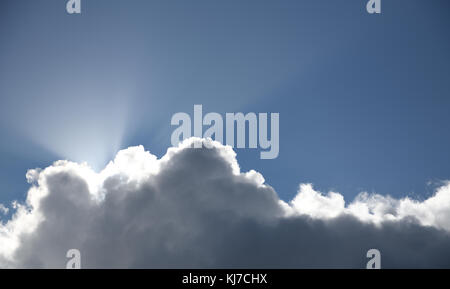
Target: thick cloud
column 194, row 208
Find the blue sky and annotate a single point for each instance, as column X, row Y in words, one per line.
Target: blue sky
column 363, row 99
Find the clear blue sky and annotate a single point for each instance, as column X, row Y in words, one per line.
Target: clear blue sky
column 363, row 99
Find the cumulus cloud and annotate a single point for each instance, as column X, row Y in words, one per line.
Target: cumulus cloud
column 194, row 208
column 374, row 208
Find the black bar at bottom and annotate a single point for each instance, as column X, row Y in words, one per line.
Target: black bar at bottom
column 223, row 278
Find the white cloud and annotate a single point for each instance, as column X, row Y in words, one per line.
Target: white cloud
column 374, row 208
column 314, row 204
column 3, row 210
column 195, row 208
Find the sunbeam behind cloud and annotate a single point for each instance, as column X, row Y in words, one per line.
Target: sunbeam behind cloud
column 83, row 125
